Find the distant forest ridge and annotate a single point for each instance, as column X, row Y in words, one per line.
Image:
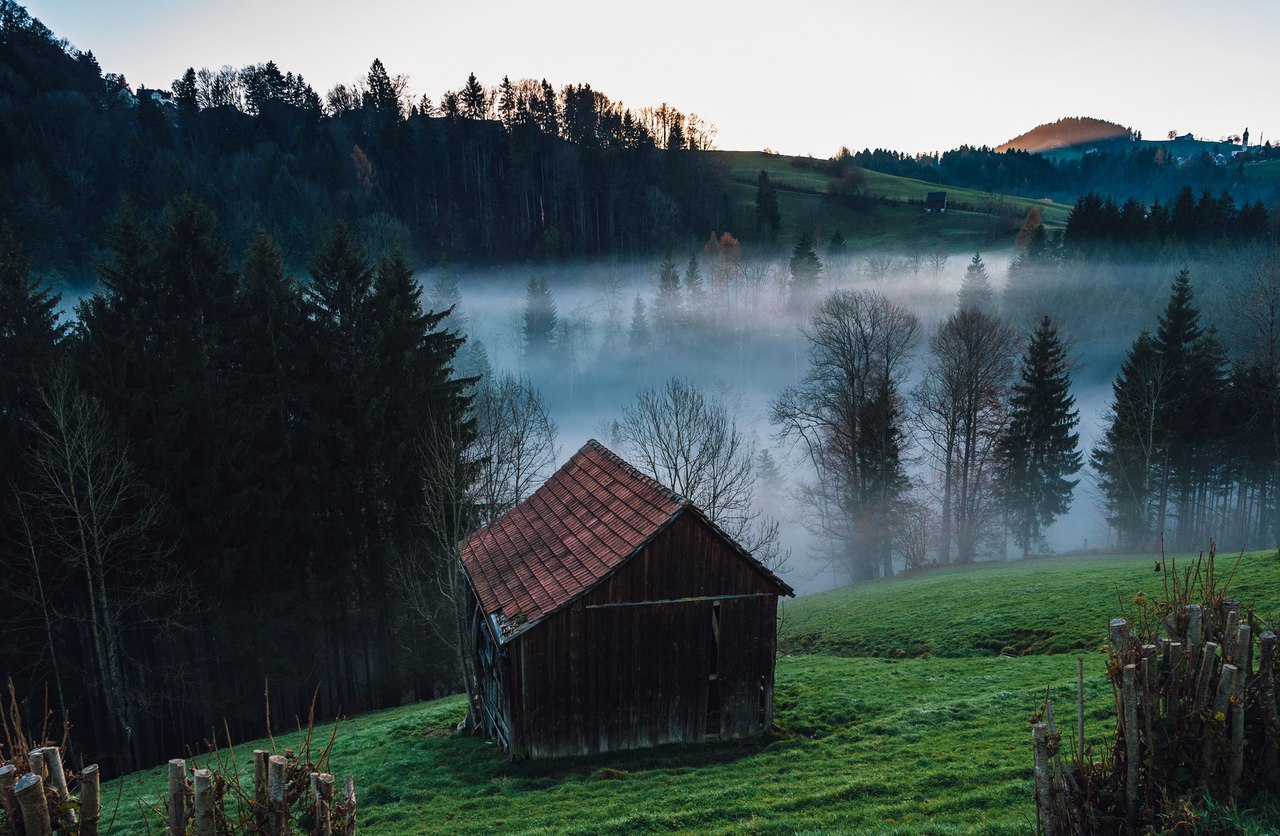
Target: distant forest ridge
column 516, row 171
column 1072, row 130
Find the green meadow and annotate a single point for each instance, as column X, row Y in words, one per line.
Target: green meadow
column 902, row 706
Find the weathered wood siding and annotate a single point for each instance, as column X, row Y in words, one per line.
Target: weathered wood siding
column 630, row 664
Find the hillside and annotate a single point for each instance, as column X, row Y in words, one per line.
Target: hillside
column 891, row 745
column 1073, row 130
column 891, row 215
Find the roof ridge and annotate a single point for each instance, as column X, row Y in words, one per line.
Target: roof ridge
column 614, row 457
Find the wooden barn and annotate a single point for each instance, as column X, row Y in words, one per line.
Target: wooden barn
column 609, row 613
column 935, row 202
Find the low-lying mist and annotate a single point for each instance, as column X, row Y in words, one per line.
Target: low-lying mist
column 749, row 345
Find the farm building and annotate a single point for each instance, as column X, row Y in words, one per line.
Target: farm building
column 935, row 202
column 608, row 613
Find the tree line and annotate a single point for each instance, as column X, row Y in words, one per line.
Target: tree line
column 518, row 170
column 213, row 475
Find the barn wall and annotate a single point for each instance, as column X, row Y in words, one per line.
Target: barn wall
column 599, row 677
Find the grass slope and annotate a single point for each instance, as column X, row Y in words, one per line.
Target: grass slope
column 805, row 205
column 1075, row 130
column 1057, row 605
column 933, row 744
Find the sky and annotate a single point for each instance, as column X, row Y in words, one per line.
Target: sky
column 803, row 77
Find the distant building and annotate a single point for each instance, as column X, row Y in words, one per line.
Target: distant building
column 935, row 202
column 606, row 612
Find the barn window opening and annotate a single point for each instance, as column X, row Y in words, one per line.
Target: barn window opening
column 713, row 677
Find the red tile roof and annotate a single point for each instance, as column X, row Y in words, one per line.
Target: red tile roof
column 583, row 523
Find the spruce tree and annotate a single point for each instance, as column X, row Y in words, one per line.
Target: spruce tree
column 694, row 289
column 538, row 324
column 806, row 270
column 768, row 219
column 975, row 289
column 29, row 339
column 1039, row 446
column 1126, row 460
column 668, row 305
column 640, row 336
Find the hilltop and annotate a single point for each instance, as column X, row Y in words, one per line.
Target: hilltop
column 1064, row 133
column 883, row 211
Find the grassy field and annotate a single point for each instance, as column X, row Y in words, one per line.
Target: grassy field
column 805, row 205
column 883, row 738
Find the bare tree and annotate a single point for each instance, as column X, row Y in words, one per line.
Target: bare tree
column 1259, row 333
column 97, row 519
column 472, row 473
column 515, row 446
column 686, row 439
column 960, row 407
column 845, row 416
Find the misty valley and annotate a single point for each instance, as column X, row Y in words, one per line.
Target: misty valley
column 517, row 459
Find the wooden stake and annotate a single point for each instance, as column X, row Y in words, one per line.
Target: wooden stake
column 1044, row 809
column 1080, row 714
column 8, row 777
column 1244, row 644
column 29, row 790
column 1176, row 672
column 90, row 801
column 35, row 762
column 1270, row 711
column 1118, row 632
column 1129, row 700
column 261, row 802
column 1206, row 673
column 177, row 797
column 58, row 777
column 1193, row 635
column 322, row 787
column 203, row 803
column 350, row 793
column 1237, row 734
column 275, row 789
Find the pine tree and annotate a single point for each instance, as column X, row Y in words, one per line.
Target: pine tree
column 640, row 333
column 1127, row 457
column 539, row 320
column 474, row 103
column 668, row 305
column 806, row 270
column 694, row 289
column 768, row 219
column 975, row 288
column 1039, row 448
column 29, row 339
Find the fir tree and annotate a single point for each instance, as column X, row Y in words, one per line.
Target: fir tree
column 640, row 332
column 538, row 325
column 975, row 288
column 1039, row 446
column 668, row 305
column 694, row 288
column 806, row 270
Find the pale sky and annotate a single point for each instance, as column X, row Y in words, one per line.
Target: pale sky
column 801, row 77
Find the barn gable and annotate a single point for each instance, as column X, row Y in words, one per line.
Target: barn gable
column 580, row 527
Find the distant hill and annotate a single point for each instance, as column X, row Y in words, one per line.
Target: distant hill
column 1073, row 130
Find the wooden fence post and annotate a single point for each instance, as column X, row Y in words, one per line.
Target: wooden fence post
column 29, row 790
column 90, row 801
column 322, row 788
column 1206, row 673
column 1044, row 810
column 1129, row 699
column 35, row 763
column 58, row 777
column 1080, row 713
column 177, row 797
column 350, row 829
column 203, row 802
column 8, row 777
column 275, row 789
column 1270, row 711
column 261, row 798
